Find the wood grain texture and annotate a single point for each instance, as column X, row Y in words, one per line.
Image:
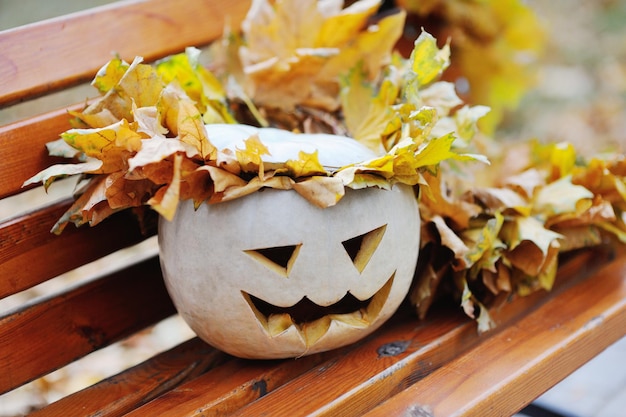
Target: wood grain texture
column 226, row 389
column 126, row 391
column 44, row 336
column 46, row 56
column 23, row 148
column 30, row 254
column 508, row 370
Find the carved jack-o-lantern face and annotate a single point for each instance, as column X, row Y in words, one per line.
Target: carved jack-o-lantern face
column 272, row 276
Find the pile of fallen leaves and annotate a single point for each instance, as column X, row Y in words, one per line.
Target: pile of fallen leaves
column 311, row 66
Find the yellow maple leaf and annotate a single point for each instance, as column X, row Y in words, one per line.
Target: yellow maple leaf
column 199, row 85
column 108, row 144
column 109, row 75
column 191, row 129
column 250, row 158
column 306, row 165
column 428, row 61
column 367, row 115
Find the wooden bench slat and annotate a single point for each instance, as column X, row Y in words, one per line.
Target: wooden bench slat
column 26, row 242
column 81, row 320
column 227, row 388
column 42, row 57
column 505, row 372
column 22, row 148
column 119, row 394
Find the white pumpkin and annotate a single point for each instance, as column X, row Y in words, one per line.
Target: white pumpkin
column 270, row 275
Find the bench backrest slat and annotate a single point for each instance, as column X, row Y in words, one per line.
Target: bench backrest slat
column 30, row 254
column 55, row 331
column 47, row 56
column 22, row 148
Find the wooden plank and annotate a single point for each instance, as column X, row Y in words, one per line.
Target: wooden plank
column 46, row 56
column 122, row 393
column 361, row 376
column 27, row 240
column 22, row 148
column 42, row 337
column 507, row 371
column 229, row 387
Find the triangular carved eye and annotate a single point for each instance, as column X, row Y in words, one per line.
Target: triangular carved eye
column 361, row 248
column 279, row 259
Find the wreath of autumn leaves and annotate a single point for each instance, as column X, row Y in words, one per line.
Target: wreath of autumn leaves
column 311, row 66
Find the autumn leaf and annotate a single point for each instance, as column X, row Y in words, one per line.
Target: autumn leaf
column 158, row 148
column 371, row 47
column 147, row 120
column 122, row 193
column 81, row 211
column 561, row 196
column 501, row 199
column 522, row 228
column 191, row 130
column 166, row 199
column 250, row 157
column 321, row 191
column 55, row 172
column 340, row 26
column 295, row 54
column 306, row 165
column 140, row 84
column 483, row 240
column 436, row 200
column 110, row 75
column 199, row 85
column 367, row 114
column 427, row 61
column 108, row 144
column 441, row 96
column 449, row 238
column 436, row 151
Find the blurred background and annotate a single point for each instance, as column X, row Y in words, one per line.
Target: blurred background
column 575, row 92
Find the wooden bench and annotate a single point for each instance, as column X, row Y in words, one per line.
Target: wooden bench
column 440, row 366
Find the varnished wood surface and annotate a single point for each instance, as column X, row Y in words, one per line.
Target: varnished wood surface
column 42, row 57
column 507, row 370
column 30, row 254
column 44, row 336
column 122, row 393
column 23, row 148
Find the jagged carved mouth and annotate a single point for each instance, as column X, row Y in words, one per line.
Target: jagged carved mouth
column 311, row 320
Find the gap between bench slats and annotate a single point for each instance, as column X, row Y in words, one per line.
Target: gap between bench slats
column 30, row 254
column 355, row 378
column 42, row 57
column 43, row 337
column 501, row 375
